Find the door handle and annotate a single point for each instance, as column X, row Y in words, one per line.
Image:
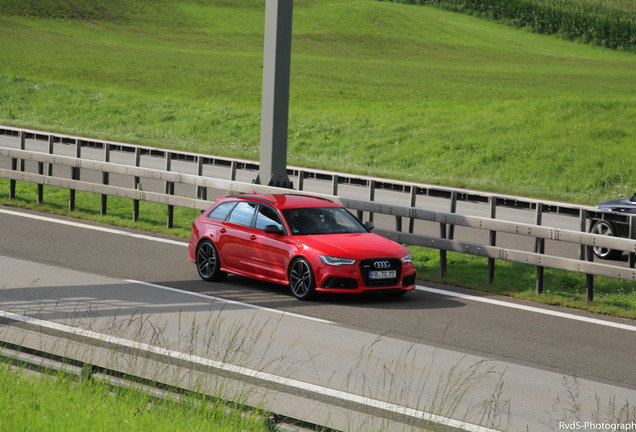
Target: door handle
column 253, row 237
column 223, row 230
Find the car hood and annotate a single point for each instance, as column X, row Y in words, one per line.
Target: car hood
column 357, row 246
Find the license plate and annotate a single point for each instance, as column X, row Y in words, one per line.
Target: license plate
column 382, row 274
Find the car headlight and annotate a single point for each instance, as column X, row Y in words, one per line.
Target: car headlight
column 407, row 259
column 336, row 261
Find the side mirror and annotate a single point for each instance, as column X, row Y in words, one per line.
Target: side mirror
column 273, row 229
column 369, row 225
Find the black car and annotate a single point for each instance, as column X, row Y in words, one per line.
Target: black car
column 613, row 226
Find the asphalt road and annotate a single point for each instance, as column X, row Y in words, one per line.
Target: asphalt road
column 536, row 349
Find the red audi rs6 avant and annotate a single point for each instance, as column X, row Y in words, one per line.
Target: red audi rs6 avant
column 311, row 244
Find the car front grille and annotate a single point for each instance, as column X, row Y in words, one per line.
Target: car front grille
column 380, row 264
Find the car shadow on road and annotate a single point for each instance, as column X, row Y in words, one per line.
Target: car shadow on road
column 275, row 296
column 86, row 302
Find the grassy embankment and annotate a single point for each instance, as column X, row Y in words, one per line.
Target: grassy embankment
column 404, row 92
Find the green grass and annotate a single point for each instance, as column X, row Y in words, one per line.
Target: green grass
column 377, row 88
column 40, row 402
column 384, row 89
column 607, row 23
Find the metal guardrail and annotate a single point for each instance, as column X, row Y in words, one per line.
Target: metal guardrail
column 446, row 220
column 299, row 175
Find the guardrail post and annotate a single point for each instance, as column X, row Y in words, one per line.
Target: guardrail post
column 412, row 202
column 14, row 164
column 75, row 174
column 40, row 199
column 586, row 253
column 334, row 185
column 589, row 279
column 22, row 147
column 136, row 185
column 632, row 235
column 398, row 224
column 40, row 185
column 371, row 196
column 301, row 179
column 492, row 240
column 453, row 209
column 442, row 252
column 51, row 145
column 105, row 180
column 14, row 167
column 233, row 171
column 202, row 191
column 539, row 247
column 169, row 191
column 583, row 225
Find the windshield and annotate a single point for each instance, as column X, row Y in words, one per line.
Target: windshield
column 322, row 220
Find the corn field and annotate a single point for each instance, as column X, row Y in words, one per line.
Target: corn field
column 608, row 23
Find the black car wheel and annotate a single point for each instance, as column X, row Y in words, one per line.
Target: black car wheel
column 301, row 279
column 208, row 262
column 604, row 228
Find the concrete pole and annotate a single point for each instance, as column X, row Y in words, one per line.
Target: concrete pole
column 275, row 105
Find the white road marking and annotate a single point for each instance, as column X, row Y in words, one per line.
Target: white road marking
column 94, row 227
column 528, row 308
column 419, row 288
column 233, row 302
column 251, row 373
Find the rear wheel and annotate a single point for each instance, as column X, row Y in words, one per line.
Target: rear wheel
column 301, row 279
column 208, row 262
column 605, row 228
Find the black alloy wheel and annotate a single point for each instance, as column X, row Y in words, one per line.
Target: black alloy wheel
column 208, row 263
column 301, row 279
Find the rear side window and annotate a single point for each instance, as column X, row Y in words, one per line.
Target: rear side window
column 221, row 211
column 243, row 213
column 267, row 216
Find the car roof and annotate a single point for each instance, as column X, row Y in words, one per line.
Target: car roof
column 286, row 201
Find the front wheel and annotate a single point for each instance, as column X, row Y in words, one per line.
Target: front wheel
column 208, row 262
column 301, row 279
column 604, row 228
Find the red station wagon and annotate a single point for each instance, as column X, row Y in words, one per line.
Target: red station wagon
column 311, row 244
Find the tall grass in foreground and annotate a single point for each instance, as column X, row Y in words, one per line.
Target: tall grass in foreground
column 467, row 390
column 400, row 379
column 41, row 402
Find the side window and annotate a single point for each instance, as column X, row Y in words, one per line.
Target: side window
column 221, row 211
column 267, row 216
column 243, row 213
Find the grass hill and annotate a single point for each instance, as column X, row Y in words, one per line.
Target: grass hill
column 401, row 91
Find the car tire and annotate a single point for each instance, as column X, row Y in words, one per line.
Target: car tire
column 604, row 228
column 301, row 279
column 208, row 262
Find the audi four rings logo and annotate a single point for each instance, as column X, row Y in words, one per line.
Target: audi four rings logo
column 381, row 264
